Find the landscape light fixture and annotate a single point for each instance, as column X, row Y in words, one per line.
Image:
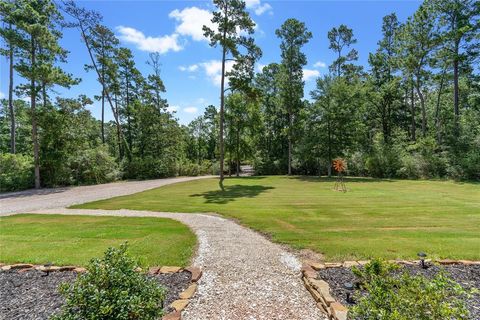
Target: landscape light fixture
column 349, row 287
column 47, row 269
column 422, row 256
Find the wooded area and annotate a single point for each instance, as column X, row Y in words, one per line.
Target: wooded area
column 414, row 112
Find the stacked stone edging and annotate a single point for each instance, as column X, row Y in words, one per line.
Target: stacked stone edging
column 178, row 305
column 320, row 289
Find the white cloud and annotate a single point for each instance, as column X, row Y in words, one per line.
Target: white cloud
column 2, row 95
column 190, row 68
column 191, row 21
column 320, row 64
column 262, row 9
column 309, row 74
column 161, row 44
column 213, row 70
column 258, row 7
column 260, row 67
column 173, row 108
column 190, row 109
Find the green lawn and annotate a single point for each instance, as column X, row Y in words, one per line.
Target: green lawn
column 385, row 218
column 74, row 240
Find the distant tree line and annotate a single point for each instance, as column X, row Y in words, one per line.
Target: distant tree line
column 414, row 112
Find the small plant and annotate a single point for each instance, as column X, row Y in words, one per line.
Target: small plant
column 375, row 268
column 406, row 297
column 112, row 289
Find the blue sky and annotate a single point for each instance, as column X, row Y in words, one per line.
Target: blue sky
column 190, row 68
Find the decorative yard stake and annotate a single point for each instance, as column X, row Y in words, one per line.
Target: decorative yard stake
column 340, row 165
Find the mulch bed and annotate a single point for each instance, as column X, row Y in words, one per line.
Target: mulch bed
column 467, row 276
column 32, row 296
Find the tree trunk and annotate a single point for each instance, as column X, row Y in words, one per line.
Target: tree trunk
column 437, row 109
column 222, row 116
column 10, row 101
column 329, row 170
column 412, row 106
column 289, row 144
column 238, row 153
column 422, row 105
column 33, row 97
column 456, row 93
column 103, row 104
column 129, row 125
column 119, row 138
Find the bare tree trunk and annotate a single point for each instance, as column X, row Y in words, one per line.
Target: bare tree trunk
column 10, row 101
column 424, row 112
column 222, row 116
column 103, row 104
column 329, row 170
column 412, row 106
column 437, row 109
column 33, row 97
column 456, row 99
column 238, row 153
column 290, row 144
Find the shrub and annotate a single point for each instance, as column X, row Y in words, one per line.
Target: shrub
column 406, row 297
column 16, row 172
column 188, row 168
column 149, row 168
column 384, row 159
column 112, row 289
column 94, row 166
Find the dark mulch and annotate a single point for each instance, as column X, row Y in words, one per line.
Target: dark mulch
column 32, row 296
column 467, row 276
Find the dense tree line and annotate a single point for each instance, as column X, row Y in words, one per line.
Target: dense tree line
column 413, row 112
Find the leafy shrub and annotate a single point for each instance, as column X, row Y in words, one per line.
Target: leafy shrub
column 471, row 165
column 112, row 289
column 16, row 172
column 149, row 168
column 188, row 168
column 407, row 297
column 384, row 159
column 375, row 268
column 94, row 166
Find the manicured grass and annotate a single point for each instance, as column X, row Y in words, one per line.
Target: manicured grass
column 375, row 218
column 74, row 240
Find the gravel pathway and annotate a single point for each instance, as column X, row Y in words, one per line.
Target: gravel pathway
column 245, row 276
column 26, row 201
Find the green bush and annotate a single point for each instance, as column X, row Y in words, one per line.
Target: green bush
column 149, row 168
column 194, row 169
column 384, row 159
column 94, row 166
column 16, row 172
column 112, row 289
column 407, row 297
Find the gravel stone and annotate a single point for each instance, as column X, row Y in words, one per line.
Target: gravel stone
column 25, row 201
column 245, row 276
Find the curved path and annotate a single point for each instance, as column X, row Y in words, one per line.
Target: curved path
column 245, row 276
column 28, row 200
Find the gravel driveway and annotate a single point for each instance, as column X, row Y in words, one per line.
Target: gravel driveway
column 29, row 200
column 245, row 276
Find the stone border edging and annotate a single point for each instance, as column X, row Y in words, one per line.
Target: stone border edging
column 320, row 289
column 179, row 304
